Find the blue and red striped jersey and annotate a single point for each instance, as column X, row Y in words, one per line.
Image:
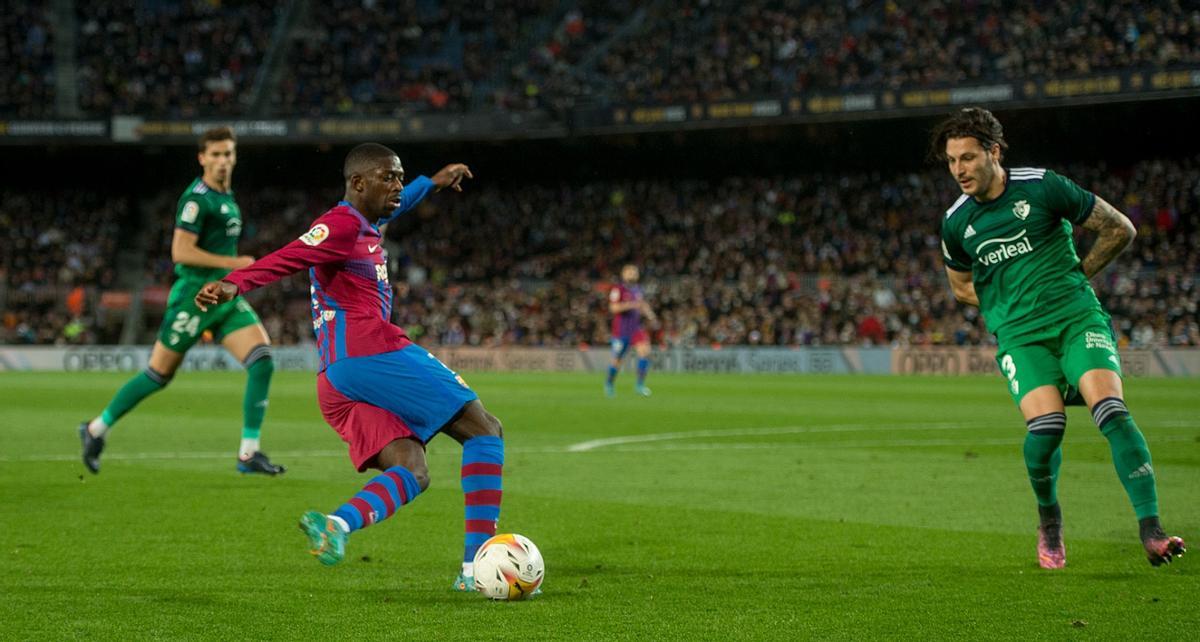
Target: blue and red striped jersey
column 351, row 293
column 627, row 323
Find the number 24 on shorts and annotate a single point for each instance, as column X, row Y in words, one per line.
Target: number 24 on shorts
column 186, row 323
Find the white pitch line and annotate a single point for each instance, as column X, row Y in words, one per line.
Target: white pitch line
column 882, row 443
column 593, row 444
column 584, row 446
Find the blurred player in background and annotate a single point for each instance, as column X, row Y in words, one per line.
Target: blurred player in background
column 208, row 224
column 627, row 305
column 384, row 395
column 1009, row 250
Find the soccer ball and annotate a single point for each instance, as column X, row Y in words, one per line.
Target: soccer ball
column 508, row 567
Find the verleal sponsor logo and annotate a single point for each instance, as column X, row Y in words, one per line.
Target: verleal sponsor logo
column 1006, row 249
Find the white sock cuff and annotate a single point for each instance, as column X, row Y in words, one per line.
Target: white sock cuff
column 97, row 427
column 340, row 522
column 247, row 448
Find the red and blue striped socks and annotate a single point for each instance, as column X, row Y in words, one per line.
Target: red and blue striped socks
column 379, row 499
column 482, row 464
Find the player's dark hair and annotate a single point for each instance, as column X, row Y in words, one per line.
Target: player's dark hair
column 972, row 122
column 365, row 156
column 215, row 135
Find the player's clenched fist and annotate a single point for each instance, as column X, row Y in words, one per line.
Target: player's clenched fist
column 215, row 293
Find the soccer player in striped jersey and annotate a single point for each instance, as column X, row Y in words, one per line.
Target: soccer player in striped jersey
column 384, row 395
column 627, row 304
column 1008, row 249
column 208, row 224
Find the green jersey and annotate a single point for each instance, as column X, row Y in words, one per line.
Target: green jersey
column 1020, row 253
column 214, row 217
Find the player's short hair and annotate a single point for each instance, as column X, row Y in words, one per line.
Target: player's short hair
column 364, row 157
column 216, row 135
column 972, row 122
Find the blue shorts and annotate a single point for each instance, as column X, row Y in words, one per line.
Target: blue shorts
column 409, row 383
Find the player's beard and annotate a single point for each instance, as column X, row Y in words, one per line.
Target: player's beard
column 980, row 183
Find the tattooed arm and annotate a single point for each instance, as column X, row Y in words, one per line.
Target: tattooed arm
column 1116, row 233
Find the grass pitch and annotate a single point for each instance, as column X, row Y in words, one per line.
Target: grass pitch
column 724, row 507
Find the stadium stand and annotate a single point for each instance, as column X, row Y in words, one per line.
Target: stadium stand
column 179, row 59
column 455, row 56
column 796, row 259
column 27, row 48
column 690, row 51
column 418, row 56
column 56, row 258
column 799, row 260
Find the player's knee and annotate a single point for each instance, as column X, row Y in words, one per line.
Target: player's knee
column 492, row 425
column 260, row 360
column 421, row 475
column 160, row 378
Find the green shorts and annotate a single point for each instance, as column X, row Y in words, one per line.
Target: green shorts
column 1058, row 355
column 184, row 323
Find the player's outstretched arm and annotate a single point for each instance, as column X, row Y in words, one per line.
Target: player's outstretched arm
column 1115, row 231
column 963, row 286
column 449, row 176
column 331, row 239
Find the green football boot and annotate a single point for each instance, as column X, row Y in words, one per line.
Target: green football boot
column 327, row 540
column 464, row 583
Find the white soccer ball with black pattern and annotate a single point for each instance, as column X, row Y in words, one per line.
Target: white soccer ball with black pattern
column 508, row 567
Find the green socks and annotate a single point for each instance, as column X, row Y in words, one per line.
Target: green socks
column 1043, row 455
column 1131, row 456
column 259, row 367
column 142, row 385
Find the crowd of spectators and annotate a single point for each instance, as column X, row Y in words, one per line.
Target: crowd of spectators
column 57, row 254
column 551, row 73
column 176, row 59
column 27, row 49
column 813, row 259
column 809, row 259
column 701, row 50
column 397, row 56
column 188, row 58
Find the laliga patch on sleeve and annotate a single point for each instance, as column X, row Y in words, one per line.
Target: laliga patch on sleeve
column 316, row 235
column 190, row 210
column 615, row 295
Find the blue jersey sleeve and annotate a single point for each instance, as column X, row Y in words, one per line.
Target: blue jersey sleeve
column 413, row 193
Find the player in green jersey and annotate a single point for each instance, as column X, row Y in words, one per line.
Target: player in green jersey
column 1009, row 250
column 208, row 225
